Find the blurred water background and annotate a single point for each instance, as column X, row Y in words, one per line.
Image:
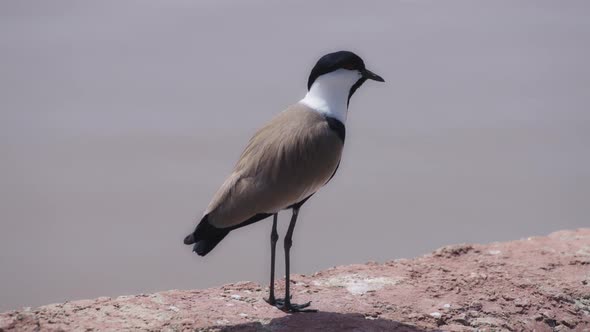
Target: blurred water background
column 119, row 120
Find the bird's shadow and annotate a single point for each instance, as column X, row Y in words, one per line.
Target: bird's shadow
column 325, row 322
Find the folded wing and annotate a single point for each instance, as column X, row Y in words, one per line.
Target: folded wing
column 285, row 162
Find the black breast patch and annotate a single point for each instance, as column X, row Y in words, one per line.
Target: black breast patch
column 337, row 126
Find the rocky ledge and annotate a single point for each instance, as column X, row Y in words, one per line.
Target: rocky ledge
column 538, row 283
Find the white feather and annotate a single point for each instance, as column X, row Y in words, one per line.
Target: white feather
column 329, row 93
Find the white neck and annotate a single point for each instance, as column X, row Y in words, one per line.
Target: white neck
column 328, row 94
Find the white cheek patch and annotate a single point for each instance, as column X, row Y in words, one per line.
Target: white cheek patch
column 329, row 93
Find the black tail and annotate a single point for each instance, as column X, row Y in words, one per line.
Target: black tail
column 205, row 237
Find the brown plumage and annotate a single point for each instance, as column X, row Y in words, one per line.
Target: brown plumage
column 286, row 161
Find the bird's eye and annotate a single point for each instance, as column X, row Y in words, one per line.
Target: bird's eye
column 349, row 66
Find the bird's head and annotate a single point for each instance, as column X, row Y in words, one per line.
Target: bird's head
column 340, row 71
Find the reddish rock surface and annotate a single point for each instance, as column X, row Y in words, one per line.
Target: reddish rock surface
column 539, row 283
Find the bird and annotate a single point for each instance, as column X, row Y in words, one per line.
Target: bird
column 285, row 163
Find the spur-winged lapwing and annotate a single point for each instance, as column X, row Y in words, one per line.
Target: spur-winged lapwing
column 286, row 162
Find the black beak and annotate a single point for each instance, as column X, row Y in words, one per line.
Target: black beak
column 372, row 76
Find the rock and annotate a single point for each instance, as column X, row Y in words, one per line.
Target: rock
column 488, row 321
column 436, row 314
column 523, row 285
column 453, row 250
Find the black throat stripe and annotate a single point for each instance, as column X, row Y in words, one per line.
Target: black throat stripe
column 337, row 126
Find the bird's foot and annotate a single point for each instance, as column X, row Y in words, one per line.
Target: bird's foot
column 276, row 302
column 271, row 300
column 287, row 306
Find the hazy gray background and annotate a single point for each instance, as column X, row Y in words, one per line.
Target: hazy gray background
column 119, row 120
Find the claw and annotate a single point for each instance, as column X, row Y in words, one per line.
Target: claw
column 292, row 307
column 281, row 301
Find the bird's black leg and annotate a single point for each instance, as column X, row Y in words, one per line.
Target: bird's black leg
column 274, row 237
column 285, row 304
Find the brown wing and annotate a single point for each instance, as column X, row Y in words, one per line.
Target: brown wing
column 287, row 160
